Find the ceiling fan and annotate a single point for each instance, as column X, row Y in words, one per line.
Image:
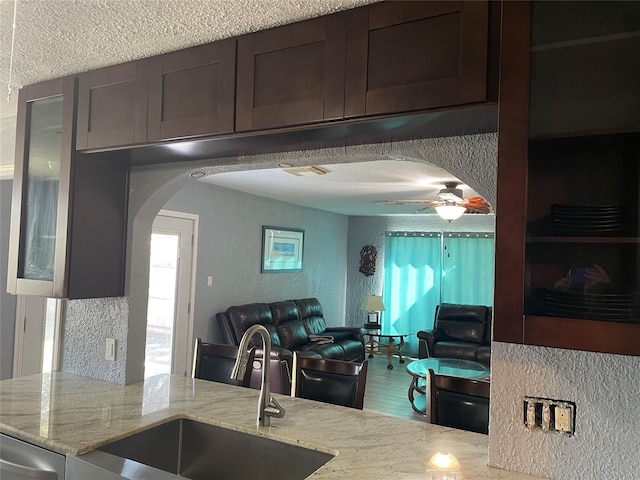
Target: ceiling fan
column 451, row 203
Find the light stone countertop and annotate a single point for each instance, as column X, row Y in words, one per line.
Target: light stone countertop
column 74, row 415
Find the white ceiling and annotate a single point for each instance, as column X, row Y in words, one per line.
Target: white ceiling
column 54, row 38
column 349, row 189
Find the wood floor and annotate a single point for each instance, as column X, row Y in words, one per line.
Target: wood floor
column 386, row 390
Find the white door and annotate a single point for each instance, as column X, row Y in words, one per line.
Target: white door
column 169, row 312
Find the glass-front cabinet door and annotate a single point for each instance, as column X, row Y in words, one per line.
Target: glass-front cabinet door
column 567, row 236
column 41, row 189
column 584, row 164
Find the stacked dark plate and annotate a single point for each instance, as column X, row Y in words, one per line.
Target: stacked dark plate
column 585, row 220
column 620, row 307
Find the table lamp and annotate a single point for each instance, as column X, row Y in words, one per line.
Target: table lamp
column 373, row 306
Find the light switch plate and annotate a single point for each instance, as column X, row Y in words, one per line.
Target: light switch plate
column 110, row 350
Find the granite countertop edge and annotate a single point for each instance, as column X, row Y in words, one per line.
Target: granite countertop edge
column 73, row 415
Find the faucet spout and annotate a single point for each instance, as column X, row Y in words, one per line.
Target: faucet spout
column 267, row 405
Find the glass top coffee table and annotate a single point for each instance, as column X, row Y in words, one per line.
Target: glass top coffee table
column 453, row 367
column 385, row 341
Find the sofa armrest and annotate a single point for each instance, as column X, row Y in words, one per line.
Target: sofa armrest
column 357, row 332
column 426, row 341
column 226, row 332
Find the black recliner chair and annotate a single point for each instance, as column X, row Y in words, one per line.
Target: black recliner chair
column 459, row 331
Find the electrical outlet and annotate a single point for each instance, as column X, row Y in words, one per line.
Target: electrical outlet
column 110, row 350
column 563, row 419
column 547, row 415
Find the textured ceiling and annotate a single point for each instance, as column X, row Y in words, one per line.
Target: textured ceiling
column 54, row 38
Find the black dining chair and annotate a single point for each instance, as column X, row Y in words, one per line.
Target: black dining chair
column 459, row 402
column 213, row 361
column 330, row 381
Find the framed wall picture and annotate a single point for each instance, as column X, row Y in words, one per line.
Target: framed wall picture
column 281, row 249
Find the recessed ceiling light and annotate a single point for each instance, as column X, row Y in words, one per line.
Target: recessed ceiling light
column 309, row 171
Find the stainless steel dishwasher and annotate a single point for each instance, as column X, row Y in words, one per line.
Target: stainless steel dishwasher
column 21, row 461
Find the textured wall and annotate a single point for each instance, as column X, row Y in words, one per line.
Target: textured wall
column 229, row 248
column 87, row 323
column 7, row 302
column 605, row 389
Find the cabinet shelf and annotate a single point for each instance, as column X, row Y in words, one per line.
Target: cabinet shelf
column 584, row 133
column 585, row 41
column 605, row 240
column 579, row 334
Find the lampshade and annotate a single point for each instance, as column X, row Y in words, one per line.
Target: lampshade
column 450, row 211
column 373, row 303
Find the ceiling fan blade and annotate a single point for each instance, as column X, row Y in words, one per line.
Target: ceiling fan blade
column 405, row 202
column 425, row 209
column 476, row 205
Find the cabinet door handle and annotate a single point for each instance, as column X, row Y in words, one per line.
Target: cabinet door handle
column 27, row 472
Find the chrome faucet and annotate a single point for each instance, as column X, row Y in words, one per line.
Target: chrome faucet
column 267, row 405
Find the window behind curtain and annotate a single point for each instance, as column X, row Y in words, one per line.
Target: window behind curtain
column 412, row 283
column 422, row 270
column 467, row 268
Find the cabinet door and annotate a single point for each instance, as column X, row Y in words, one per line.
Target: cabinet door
column 568, row 243
column 191, row 92
column 68, row 217
column 39, row 220
column 405, row 56
column 292, row 74
column 112, row 106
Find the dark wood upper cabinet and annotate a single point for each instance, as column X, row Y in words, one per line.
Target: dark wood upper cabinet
column 112, row 106
column 192, row 91
column 69, row 211
column 408, row 56
column 291, row 75
column 568, row 191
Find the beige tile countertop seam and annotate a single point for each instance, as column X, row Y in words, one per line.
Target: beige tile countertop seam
column 74, row 415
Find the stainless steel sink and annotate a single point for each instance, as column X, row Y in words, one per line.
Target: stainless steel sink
column 198, row 451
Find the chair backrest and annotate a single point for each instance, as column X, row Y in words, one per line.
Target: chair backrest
column 459, row 402
column 464, row 323
column 212, row 361
column 330, row 381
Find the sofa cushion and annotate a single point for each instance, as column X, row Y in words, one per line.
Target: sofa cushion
column 483, row 355
column 244, row 316
column 288, row 324
column 463, row 350
column 311, row 315
column 487, row 330
column 464, row 323
column 329, row 350
column 353, row 351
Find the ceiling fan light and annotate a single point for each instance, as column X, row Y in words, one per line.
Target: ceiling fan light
column 450, row 212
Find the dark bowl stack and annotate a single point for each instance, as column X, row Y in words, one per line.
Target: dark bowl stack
column 587, row 220
column 619, row 307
